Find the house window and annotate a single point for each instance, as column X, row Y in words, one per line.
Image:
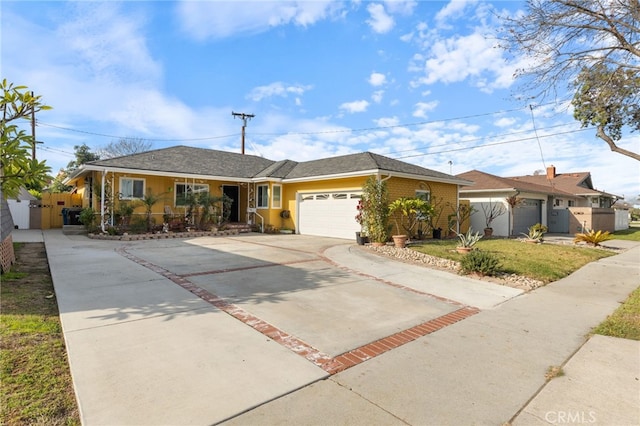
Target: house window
column 131, row 188
column 572, row 203
column 184, row 190
column 276, row 197
column 263, row 196
column 423, row 195
column 558, row 202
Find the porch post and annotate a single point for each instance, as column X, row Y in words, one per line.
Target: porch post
column 104, row 175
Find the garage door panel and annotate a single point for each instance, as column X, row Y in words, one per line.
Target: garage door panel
column 329, row 214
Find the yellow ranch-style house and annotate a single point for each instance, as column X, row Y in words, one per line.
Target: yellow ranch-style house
column 316, row 197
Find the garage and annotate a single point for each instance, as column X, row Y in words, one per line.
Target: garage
column 526, row 214
column 329, row 214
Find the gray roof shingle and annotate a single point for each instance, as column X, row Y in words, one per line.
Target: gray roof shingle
column 197, row 161
column 200, row 161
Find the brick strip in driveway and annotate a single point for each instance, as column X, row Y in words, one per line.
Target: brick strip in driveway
column 331, row 365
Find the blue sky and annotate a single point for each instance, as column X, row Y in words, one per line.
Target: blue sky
column 420, row 81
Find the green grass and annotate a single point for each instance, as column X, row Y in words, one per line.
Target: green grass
column 625, row 321
column 36, row 382
column 544, row 262
column 632, row 234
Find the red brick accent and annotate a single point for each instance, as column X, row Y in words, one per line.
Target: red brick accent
column 324, row 361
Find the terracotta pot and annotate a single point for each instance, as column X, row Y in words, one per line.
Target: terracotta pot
column 400, row 241
column 376, row 244
column 488, row 232
column 464, row 250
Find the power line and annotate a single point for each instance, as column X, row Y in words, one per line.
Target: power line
column 144, row 139
column 492, row 144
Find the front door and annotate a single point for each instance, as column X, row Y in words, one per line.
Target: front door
column 233, row 192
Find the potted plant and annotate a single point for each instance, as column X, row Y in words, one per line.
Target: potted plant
column 467, row 241
column 433, row 218
column 491, row 213
column 406, row 213
column 375, row 210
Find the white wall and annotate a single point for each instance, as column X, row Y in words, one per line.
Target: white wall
column 20, row 213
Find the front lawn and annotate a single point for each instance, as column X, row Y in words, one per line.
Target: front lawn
column 544, row 262
column 632, row 234
column 625, row 321
column 36, row 383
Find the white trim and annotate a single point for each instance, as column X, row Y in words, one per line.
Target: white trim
column 258, row 186
column 133, row 197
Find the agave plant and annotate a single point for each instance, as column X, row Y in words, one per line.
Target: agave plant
column 592, row 237
column 534, row 234
column 469, row 239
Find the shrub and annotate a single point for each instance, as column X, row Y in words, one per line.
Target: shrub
column 88, row 219
column 592, row 237
column 480, row 262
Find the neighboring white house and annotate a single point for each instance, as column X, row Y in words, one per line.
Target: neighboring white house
column 541, row 198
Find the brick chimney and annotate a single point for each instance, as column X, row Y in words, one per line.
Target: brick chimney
column 551, row 172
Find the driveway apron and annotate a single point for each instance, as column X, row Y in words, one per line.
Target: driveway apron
column 200, row 330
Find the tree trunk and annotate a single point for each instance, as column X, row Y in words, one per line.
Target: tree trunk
column 615, row 148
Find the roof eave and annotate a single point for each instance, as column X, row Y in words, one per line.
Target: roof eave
column 96, row 168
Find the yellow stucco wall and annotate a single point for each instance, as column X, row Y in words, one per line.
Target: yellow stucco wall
column 445, row 195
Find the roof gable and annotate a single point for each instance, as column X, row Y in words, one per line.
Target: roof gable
column 488, row 182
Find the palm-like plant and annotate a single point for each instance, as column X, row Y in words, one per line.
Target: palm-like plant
column 592, row 237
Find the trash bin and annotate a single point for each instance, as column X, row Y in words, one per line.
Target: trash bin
column 74, row 216
column 65, row 216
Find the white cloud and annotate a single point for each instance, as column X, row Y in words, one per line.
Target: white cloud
column 387, row 121
column 377, row 96
column 505, row 122
column 453, row 9
column 277, row 88
column 355, row 106
column 402, row 7
column 422, row 108
column 377, row 79
column 380, row 22
column 461, row 57
column 108, row 42
column 219, row 19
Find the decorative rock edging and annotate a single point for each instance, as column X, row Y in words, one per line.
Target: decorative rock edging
column 163, row 235
column 414, row 257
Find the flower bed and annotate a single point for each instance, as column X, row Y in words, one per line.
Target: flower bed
column 163, row 235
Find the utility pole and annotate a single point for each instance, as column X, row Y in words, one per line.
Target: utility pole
column 244, row 117
column 33, row 130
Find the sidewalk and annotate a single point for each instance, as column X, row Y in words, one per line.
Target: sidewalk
column 486, row 369
column 200, row 366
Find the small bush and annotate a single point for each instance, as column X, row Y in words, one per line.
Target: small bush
column 88, row 219
column 480, row 262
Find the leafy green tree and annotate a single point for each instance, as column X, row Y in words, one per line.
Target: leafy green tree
column 591, row 48
column 608, row 99
column 17, row 165
column 83, row 155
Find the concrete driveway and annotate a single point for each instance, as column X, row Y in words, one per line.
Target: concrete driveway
column 196, row 331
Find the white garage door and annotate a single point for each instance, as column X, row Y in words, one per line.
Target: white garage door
column 329, row 214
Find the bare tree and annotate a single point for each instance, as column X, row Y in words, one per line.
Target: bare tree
column 125, row 146
column 592, row 47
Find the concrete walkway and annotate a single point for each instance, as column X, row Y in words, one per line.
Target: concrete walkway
column 145, row 351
